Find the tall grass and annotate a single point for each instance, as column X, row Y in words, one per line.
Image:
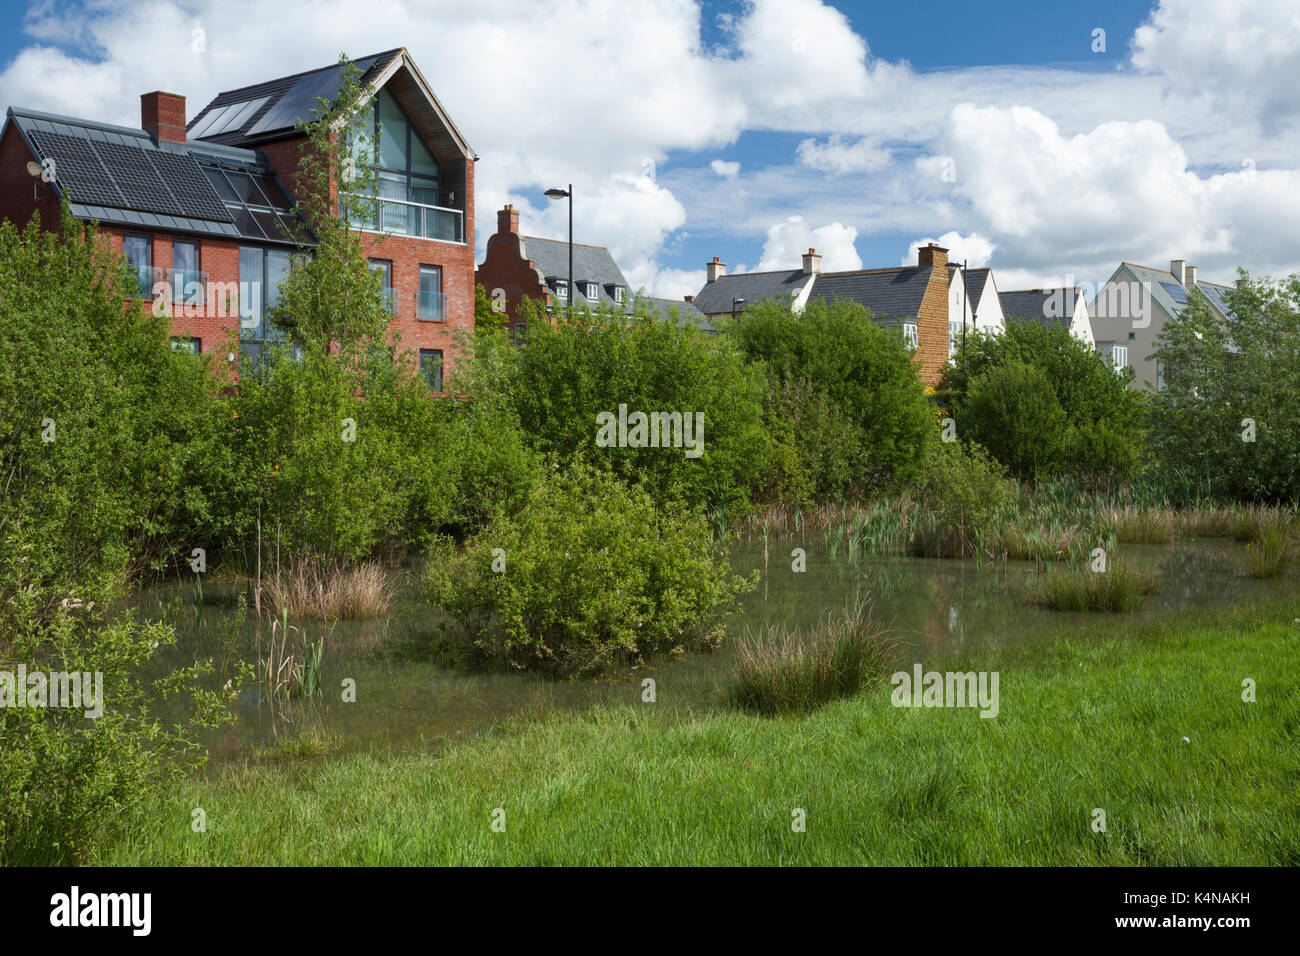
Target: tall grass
column 779, row 670
column 1268, row 555
column 329, row 593
column 1120, row 588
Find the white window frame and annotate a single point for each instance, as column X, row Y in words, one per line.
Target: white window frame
column 562, row 289
column 593, row 292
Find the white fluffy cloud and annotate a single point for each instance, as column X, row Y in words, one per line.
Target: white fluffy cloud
column 788, row 241
column 975, row 250
column 725, row 169
column 840, row 155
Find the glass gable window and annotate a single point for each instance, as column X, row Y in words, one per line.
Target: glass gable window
column 432, row 300
column 409, row 178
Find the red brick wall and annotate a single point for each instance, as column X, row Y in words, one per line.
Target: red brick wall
column 162, row 116
column 16, row 202
column 932, row 328
column 506, row 269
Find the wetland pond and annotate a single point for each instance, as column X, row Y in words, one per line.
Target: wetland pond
column 935, row 608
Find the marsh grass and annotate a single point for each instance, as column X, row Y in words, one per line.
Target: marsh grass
column 311, row 590
column 1268, row 555
column 1118, row 589
column 781, row 670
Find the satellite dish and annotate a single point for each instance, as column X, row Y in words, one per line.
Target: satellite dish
column 34, row 169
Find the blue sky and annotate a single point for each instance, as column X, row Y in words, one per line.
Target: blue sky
column 751, row 130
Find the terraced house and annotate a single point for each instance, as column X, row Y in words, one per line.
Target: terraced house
column 203, row 209
column 915, row 300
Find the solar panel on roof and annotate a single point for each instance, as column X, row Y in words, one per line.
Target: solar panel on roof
column 211, row 119
column 235, row 116
column 1176, row 292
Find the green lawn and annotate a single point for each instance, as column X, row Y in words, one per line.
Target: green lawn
column 1085, row 723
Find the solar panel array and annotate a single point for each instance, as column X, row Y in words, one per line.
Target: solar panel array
column 1217, row 296
column 1176, row 292
column 109, row 174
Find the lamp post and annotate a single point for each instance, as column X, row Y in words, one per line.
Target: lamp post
column 734, row 303
column 566, row 194
column 965, row 298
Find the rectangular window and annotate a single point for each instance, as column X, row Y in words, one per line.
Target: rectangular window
column 909, row 333
column 1119, row 355
column 431, row 368
column 260, row 273
column 520, row 333
column 954, row 338
column 139, row 259
column 385, row 268
column 182, row 343
column 185, row 279
column 432, row 301
column 620, row 294
column 562, row 289
column 593, row 293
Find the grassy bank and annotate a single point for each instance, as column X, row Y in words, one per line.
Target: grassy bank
column 1147, row 724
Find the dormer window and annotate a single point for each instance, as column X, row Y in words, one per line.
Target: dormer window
column 561, row 289
column 593, row 292
column 620, row 294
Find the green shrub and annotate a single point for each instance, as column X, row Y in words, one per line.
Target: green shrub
column 1270, row 552
column 589, row 363
column 589, row 574
column 846, row 394
column 96, row 441
column 1219, row 375
column 782, row 670
column 1045, row 404
column 963, row 495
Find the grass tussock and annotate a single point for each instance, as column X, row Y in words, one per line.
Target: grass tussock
column 780, row 670
column 1119, row 589
column 1269, row 553
column 1136, row 525
column 310, row 590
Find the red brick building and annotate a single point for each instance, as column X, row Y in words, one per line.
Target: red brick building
column 204, row 210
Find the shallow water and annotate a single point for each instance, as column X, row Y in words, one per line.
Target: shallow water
column 934, row 608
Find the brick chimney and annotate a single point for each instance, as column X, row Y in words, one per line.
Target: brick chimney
column 1179, row 269
column 507, row 220
column 934, row 256
column 1191, row 277
column 162, row 116
column 716, row 269
column 812, row 263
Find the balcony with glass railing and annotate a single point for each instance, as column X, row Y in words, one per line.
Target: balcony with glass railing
column 431, row 306
column 140, row 281
column 390, row 298
column 404, row 218
column 188, row 286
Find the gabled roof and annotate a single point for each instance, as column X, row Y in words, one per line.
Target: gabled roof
column 275, row 107
column 976, row 279
column 687, row 313
column 1166, row 291
column 120, row 176
column 718, row 296
column 590, row 264
column 272, row 110
column 886, row 293
column 1042, row 306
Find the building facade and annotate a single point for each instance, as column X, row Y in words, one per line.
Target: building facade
column 204, row 210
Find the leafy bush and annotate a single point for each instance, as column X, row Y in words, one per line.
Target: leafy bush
column 1218, row 375
column 1045, row 404
column 590, row 363
column 587, row 575
column 96, row 441
column 964, row 493
column 847, row 397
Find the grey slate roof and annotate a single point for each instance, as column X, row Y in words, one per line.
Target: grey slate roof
column 590, row 264
column 886, row 293
column 1035, row 304
column 717, row 296
column 976, row 279
column 119, row 176
column 687, row 313
column 1156, row 279
column 266, row 110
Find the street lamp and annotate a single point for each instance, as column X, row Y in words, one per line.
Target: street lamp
column 566, row 194
column 735, row 302
column 965, row 298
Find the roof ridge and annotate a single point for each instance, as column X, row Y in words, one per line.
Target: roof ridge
column 385, row 54
column 859, row 272
column 763, row 272
column 564, row 242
